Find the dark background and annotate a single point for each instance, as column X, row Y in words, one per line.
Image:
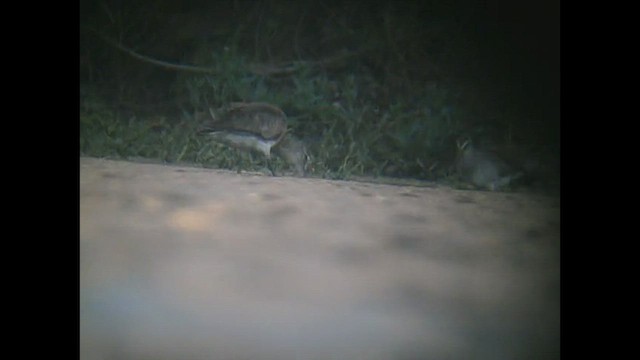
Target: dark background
column 497, row 61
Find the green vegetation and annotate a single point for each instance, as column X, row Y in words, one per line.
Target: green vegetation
column 372, row 91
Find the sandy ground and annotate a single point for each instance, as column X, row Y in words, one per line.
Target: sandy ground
column 192, row 263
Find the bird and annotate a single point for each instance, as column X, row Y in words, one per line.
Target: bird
column 482, row 169
column 251, row 126
column 294, row 152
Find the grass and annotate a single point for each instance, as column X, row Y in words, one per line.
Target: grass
column 346, row 136
column 380, row 111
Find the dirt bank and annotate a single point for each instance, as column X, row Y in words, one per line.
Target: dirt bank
column 180, row 262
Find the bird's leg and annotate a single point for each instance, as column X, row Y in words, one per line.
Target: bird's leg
column 270, row 167
column 237, row 165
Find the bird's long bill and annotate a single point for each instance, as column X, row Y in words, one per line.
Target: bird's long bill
column 243, row 140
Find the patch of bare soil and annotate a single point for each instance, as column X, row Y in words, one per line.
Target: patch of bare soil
column 180, row 262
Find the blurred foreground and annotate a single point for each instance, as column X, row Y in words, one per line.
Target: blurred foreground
column 190, row 263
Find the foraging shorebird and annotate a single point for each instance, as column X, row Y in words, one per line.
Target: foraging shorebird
column 248, row 126
column 482, row 169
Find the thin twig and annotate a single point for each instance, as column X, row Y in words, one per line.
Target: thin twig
column 164, row 64
column 286, row 68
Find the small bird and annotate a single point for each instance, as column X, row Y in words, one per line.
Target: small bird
column 293, row 151
column 248, row 126
column 482, row 169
